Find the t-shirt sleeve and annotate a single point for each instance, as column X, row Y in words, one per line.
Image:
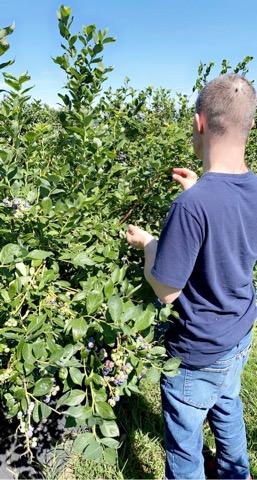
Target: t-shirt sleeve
column 178, row 247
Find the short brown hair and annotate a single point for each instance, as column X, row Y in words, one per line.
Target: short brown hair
column 229, row 102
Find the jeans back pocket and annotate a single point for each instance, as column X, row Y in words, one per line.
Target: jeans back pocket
column 202, row 386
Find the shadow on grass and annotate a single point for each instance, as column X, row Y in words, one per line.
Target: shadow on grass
column 13, row 462
column 135, row 414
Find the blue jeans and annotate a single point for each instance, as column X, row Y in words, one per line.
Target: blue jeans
column 213, row 393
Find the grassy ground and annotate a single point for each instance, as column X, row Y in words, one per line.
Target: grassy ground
column 142, row 454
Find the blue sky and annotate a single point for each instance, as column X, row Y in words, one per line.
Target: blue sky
column 159, row 42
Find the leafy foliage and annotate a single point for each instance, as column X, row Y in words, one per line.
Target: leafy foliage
column 76, row 330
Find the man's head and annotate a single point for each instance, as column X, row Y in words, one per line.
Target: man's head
column 225, row 107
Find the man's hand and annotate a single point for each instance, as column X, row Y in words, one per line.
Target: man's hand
column 137, row 237
column 141, row 239
column 187, row 178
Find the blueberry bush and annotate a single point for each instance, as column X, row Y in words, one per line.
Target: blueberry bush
column 78, row 323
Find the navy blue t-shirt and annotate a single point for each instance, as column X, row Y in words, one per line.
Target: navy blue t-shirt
column 208, row 248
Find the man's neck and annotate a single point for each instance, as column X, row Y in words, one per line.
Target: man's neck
column 224, row 157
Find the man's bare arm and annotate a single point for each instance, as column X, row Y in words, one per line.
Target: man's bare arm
column 141, row 239
column 165, row 293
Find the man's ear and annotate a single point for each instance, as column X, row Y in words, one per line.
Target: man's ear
column 199, row 121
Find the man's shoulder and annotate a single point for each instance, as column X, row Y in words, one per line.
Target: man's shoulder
column 193, row 198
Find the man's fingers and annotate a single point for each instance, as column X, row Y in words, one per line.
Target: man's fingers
column 131, row 241
column 129, row 237
column 184, row 172
column 181, row 169
column 131, row 229
column 178, row 178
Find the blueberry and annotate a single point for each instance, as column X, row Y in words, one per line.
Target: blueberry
column 141, row 116
column 117, row 382
column 109, row 364
column 121, row 156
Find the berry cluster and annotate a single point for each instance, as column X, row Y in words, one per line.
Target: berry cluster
column 91, row 344
column 122, row 157
column 108, row 368
column 19, row 205
column 5, row 375
column 141, row 343
column 25, row 427
column 114, row 400
column 120, row 378
column 11, row 322
column 140, row 116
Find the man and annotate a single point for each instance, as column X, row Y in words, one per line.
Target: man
column 203, row 263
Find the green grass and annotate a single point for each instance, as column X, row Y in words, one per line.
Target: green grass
column 141, row 455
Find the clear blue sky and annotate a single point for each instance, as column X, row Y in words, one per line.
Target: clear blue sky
column 159, row 42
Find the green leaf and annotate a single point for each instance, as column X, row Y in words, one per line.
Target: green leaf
column 105, row 410
column 14, row 288
column 144, row 320
column 39, row 254
column 9, row 252
column 27, row 353
column 133, row 388
column 35, row 323
column 165, row 313
column 63, row 13
column 110, row 334
column 5, row 296
column 110, row 456
column 110, row 442
column 21, row 267
column 6, row 64
column 115, row 308
column 115, row 275
column 76, row 375
column 109, row 428
column 89, row 29
column 79, row 296
column 172, row 364
column 72, row 398
column 82, row 441
column 82, row 259
column 94, row 301
column 93, row 451
column 109, row 39
column 40, row 411
column 158, row 351
column 46, row 205
column 153, row 375
column 4, row 32
column 94, row 421
column 108, row 289
column 43, row 386
column 39, row 349
column 4, row 45
column 79, row 328
column 171, row 373
column 81, row 411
